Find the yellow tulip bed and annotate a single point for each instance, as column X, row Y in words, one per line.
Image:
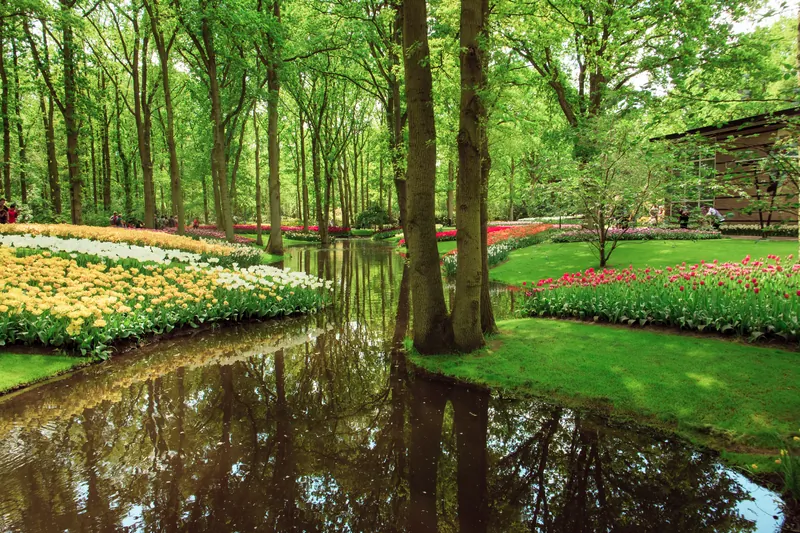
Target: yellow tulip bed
column 156, row 239
column 87, row 303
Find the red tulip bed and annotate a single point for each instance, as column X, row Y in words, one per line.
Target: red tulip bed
column 753, row 297
column 502, row 242
column 450, row 235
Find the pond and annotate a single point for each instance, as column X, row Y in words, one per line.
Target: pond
column 318, row 424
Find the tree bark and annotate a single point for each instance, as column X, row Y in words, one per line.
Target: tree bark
column 450, row 192
column 163, row 48
column 71, row 122
column 259, row 238
column 275, row 244
column 23, row 158
column 303, row 170
column 433, row 331
column 125, row 162
column 4, row 111
column 488, row 325
column 106, row 149
column 467, row 331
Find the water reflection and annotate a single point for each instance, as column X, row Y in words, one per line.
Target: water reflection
column 314, row 424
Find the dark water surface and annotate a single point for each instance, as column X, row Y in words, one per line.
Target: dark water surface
column 314, row 424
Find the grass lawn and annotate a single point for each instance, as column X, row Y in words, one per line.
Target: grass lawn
column 23, row 369
column 730, row 396
column 553, row 260
column 444, row 247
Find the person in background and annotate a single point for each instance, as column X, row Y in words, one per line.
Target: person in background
column 196, row 223
column 12, row 213
column 3, row 211
column 717, row 218
column 683, row 217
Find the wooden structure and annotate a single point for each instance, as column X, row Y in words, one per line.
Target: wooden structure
column 740, row 157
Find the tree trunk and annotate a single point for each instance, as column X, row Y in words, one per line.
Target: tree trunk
column 488, row 325
column 303, row 169
column 143, row 117
column 125, row 162
column 322, row 218
column 70, row 113
column 5, row 114
column 106, row 151
column 23, row 159
column 259, row 238
column 176, row 192
column 275, row 244
column 511, row 193
column 93, row 160
column 205, row 200
column 218, row 152
column 467, row 331
column 433, row 331
column 450, row 192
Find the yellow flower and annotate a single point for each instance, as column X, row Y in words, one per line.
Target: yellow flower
column 754, row 466
column 100, row 323
column 796, row 439
column 777, row 461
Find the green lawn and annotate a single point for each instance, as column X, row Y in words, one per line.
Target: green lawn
column 553, row 260
column 444, row 247
column 728, row 395
column 23, row 369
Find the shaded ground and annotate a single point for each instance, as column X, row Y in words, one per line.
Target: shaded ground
column 553, row 260
column 731, row 396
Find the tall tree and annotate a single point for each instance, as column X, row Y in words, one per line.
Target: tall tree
column 433, row 332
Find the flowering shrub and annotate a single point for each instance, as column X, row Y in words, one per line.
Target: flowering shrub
column 303, row 236
column 84, row 303
column 501, row 243
column 638, row 234
column 749, row 298
column 755, row 229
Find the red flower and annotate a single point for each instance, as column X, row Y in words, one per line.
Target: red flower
column 756, row 290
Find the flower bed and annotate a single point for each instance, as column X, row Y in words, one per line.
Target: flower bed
column 501, row 243
column 749, row 298
column 305, row 236
column 450, row 235
column 758, row 231
column 82, row 303
column 638, row 234
column 208, row 234
column 226, row 253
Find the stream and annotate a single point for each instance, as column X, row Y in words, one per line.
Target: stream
column 317, row 424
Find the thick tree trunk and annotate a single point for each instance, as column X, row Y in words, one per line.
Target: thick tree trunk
column 488, row 325
column 205, row 200
column 143, row 117
column 433, row 331
column 106, row 148
column 23, row 158
column 275, row 244
column 218, row 151
column 322, row 218
column 259, row 238
column 71, row 122
column 467, row 331
column 5, row 115
column 93, row 160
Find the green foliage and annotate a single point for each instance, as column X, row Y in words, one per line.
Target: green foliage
column 374, row 215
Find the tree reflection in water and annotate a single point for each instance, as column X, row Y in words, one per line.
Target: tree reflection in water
column 313, row 424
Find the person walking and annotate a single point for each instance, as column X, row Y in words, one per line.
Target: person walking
column 12, row 214
column 717, row 218
column 683, row 217
column 3, row 211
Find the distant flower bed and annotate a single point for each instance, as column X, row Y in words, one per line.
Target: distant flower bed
column 386, row 234
column 757, row 230
column 752, row 298
column 208, row 233
column 450, row 235
column 501, row 243
column 303, row 236
column 638, row 234
column 84, row 303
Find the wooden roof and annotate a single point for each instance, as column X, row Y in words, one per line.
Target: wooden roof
column 738, row 127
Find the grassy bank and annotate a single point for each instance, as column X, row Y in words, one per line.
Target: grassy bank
column 737, row 398
column 17, row 370
column 553, row 260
